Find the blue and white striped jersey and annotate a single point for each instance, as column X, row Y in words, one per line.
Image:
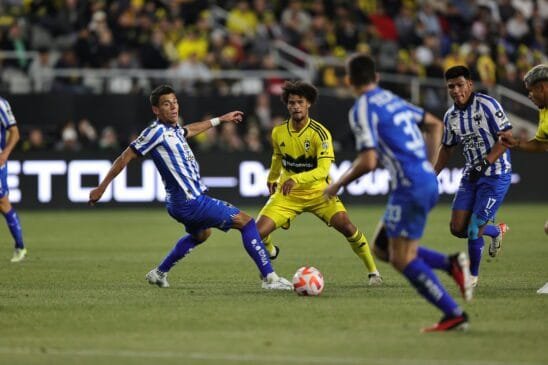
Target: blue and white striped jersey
column 476, row 127
column 382, row 120
column 7, row 120
column 173, row 158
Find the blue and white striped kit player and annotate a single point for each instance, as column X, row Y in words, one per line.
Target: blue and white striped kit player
column 476, row 127
column 8, row 126
column 165, row 141
column 384, row 121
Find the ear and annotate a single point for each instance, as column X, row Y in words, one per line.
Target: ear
column 155, row 110
column 377, row 77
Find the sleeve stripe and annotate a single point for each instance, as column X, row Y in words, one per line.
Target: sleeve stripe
column 321, row 133
column 321, row 130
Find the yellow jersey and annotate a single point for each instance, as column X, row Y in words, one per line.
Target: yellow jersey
column 304, row 156
column 542, row 131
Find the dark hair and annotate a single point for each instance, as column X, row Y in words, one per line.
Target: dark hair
column 301, row 88
column 458, row 71
column 159, row 91
column 361, row 70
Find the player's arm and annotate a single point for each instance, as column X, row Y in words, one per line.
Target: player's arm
column 444, row 154
column 319, row 173
column 433, row 131
column 364, row 163
column 533, row 145
column 193, row 129
column 274, row 173
column 13, row 138
column 119, row 164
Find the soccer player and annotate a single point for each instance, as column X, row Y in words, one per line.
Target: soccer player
column 474, row 121
column 165, row 141
column 536, row 82
column 299, row 173
column 385, row 127
column 8, row 126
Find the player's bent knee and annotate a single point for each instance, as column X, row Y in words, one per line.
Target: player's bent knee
column 458, row 231
column 202, row 236
column 240, row 220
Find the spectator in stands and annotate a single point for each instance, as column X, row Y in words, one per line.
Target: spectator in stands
column 252, row 139
column 87, row 134
column 229, row 139
column 69, row 139
column 35, row 141
column 109, row 139
column 41, row 71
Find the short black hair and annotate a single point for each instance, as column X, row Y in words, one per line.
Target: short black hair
column 361, row 69
column 159, row 91
column 301, row 88
column 458, row 71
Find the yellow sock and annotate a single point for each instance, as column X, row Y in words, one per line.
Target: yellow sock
column 269, row 245
column 359, row 245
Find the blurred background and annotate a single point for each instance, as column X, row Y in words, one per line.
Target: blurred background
column 78, row 74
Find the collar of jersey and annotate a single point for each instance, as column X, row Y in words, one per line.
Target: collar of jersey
column 468, row 103
column 168, row 125
column 294, row 131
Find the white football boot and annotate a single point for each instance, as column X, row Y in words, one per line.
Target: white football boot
column 157, row 277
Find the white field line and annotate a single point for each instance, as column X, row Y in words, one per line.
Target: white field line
column 251, row 358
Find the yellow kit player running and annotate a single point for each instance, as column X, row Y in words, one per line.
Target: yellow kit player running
column 299, row 173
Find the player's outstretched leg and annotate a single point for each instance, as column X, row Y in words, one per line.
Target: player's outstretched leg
column 456, row 265
column 12, row 219
column 256, row 250
column 158, row 276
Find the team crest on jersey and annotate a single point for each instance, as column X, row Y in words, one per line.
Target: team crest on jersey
column 306, row 145
column 499, row 114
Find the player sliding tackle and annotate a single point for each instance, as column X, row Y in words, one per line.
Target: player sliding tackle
column 165, row 141
column 385, row 127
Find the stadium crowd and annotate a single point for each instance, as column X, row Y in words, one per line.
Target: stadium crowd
column 498, row 40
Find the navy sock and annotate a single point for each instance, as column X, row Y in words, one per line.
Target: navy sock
column 180, row 250
column 255, row 248
column 434, row 259
column 491, row 231
column 475, row 250
column 429, row 286
column 15, row 228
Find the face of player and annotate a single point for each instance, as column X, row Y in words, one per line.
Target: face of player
column 167, row 109
column 538, row 93
column 459, row 89
column 298, row 107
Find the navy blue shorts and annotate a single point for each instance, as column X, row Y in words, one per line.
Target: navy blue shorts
column 408, row 209
column 202, row 213
column 483, row 197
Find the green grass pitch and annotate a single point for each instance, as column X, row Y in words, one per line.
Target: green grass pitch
column 81, row 297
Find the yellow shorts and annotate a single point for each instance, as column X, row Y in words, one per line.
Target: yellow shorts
column 282, row 209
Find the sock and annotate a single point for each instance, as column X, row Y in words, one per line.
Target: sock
column 491, row 231
column 15, row 228
column 434, row 259
column 255, row 248
column 269, row 245
column 359, row 245
column 475, row 250
column 180, row 250
column 428, row 285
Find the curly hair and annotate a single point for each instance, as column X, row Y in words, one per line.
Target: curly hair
column 301, row 88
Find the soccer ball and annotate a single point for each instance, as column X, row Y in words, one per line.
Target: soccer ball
column 308, row 281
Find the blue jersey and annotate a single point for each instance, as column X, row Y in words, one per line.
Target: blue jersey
column 475, row 127
column 386, row 122
column 173, row 158
column 7, row 120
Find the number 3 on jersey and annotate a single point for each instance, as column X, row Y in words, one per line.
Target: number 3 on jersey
column 410, row 128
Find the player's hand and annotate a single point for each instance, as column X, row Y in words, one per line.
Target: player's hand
column 507, row 139
column 288, row 186
column 478, row 169
column 232, row 117
column 272, row 187
column 95, row 195
column 331, row 191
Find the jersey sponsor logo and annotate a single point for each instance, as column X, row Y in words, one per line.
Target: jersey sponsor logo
column 299, row 164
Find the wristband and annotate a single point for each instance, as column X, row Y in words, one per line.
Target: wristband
column 215, row 122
